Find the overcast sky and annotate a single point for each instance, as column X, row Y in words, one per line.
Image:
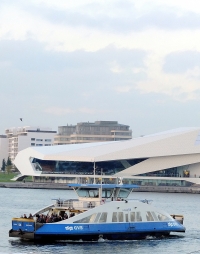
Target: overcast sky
column 136, row 62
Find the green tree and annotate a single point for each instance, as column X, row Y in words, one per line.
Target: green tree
column 9, row 162
column 3, row 167
column 9, row 169
column 9, row 166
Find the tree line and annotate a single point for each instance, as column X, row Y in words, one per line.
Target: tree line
column 6, row 165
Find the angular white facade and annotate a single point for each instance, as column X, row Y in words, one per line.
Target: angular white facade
column 168, row 158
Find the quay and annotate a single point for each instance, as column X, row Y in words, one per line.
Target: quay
column 195, row 189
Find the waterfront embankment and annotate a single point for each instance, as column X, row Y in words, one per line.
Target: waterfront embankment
column 32, row 185
column 63, row 186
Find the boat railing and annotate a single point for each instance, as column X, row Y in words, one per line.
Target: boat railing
column 65, row 203
column 178, row 217
column 147, row 201
column 77, row 204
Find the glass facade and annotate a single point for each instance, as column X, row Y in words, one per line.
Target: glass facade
column 108, row 168
column 83, row 168
column 181, row 171
column 158, row 182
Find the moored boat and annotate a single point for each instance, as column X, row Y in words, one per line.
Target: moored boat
column 102, row 211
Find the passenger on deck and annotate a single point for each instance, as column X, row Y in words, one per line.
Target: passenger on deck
column 25, row 217
column 30, row 216
column 55, row 219
column 90, row 205
column 65, row 216
column 41, row 219
column 48, row 219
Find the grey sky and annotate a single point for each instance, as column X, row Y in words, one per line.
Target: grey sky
column 136, row 62
column 180, row 62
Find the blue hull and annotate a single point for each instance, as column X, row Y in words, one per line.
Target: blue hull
column 110, row 231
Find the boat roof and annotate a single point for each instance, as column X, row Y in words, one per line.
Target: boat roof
column 104, row 186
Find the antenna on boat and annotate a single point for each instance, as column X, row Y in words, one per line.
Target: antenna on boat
column 94, row 173
column 101, row 185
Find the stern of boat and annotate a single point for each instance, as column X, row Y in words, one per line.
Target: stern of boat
column 22, row 228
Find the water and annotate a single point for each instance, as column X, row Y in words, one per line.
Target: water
column 15, row 202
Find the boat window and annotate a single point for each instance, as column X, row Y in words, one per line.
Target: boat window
column 88, row 219
column 103, row 217
column 126, row 217
column 82, row 193
column 149, row 216
column 97, row 217
column 107, row 193
column 92, row 193
column 138, row 216
column 124, row 193
column 114, row 217
column 154, row 216
column 84, row 220
column 132, row 216
column 92, row 218
column 120, row 216
column 162, row 217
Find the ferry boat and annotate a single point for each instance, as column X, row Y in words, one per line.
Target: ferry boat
column 102, row 211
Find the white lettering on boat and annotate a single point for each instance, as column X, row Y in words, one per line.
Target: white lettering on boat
column 171, row 224
column 69, row 228
column 78, row 227
column 74, row 228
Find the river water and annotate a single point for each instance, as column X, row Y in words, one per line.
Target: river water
column 15, row 202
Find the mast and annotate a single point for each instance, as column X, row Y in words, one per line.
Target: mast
column 94, row 173
column 101, row 189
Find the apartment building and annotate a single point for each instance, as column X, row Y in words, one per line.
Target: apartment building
column 86, row 132
column 20, row 138
column 3, row 148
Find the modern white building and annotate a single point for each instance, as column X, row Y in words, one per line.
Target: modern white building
column 3, row 149
column 22, row 137
column 169, row 158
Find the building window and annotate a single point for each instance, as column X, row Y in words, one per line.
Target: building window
column 32, row 139
column 39, row 139
column 47, row 140
column 32, row 144
column 39, row 144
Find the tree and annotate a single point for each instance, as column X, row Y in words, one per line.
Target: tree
column 9, row 162
column 9, row 166
column 3, row 167
column 8, row 169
